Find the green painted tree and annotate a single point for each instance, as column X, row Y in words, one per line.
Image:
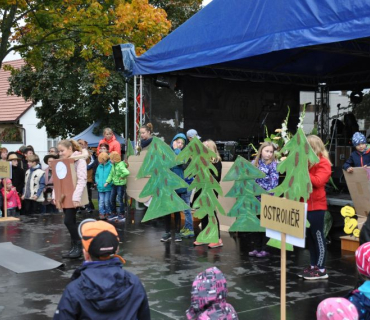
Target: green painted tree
column 201, row 169
column 297, row 184
column 130, row 149
column 245, row 190
column 162, row 183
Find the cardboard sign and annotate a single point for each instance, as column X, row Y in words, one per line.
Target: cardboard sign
column 283, row 215
column 359, row 188
column 134, row 185
column 65, row 180
column 5, row 169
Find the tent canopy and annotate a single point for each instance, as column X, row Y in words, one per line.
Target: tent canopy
column 308, row 41
column 92, row 139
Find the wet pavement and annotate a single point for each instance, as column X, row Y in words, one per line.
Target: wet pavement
column 167, row 271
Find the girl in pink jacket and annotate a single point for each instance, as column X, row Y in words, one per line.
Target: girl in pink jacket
column 71, row 149
column 12, row 198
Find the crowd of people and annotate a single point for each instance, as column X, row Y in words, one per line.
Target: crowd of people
column 30, row 191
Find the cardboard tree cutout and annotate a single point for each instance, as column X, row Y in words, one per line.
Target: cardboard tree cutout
column 245, row 190
column 200, row 168
column 130, row 149
column 162, row 182
column 297, row 183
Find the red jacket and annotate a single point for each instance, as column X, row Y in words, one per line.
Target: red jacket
column 319, row 174
column 114, row 145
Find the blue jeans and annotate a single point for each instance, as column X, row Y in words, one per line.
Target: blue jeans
column 104, row 202
column 188, row 217
column 118, row 191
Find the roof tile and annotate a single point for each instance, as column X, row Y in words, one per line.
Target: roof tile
column 11, row 107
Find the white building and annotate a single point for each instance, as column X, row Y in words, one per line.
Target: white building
column 18, row 119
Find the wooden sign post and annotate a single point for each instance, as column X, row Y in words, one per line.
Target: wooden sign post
column 6, row 173
column 287, row 217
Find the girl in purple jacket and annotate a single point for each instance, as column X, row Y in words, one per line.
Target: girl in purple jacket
column 264, row 161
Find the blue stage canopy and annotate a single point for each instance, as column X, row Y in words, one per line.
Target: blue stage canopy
column 264, row 35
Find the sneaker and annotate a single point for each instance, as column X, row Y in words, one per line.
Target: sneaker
column 102, row 216
column 178, row 237
column 262, row 254
column 112, row 217
column 196, row 243
column 253, row 253
column 121, row 218
column 306, row 271
column 187, row 234
column 316, row 274
column 182, row 230
column 166, row 237
column 216, row 245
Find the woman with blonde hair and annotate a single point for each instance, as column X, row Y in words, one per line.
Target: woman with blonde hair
column 316, row 206
column 211, row 145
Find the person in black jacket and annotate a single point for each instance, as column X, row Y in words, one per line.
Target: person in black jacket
column 100, row 288
column 17, row 172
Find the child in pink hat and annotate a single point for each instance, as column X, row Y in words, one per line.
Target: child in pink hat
column 12, row 198
column 336, row 309
column 208, row 297
column 361, row 296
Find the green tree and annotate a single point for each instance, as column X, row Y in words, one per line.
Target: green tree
column 201, row 169
column 89, row 27
column 245, row 189
column 163, row 182
column 361, row 111
column 178, row 11
column 65, row 89
column 297, row 184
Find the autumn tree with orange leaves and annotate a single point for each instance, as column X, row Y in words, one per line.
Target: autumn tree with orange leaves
column 90, row 26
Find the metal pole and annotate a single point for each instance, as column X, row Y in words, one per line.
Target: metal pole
column 135, row 102
column 126, row 117
column 141, row 101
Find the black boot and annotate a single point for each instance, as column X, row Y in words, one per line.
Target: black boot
column 77, row 251
column 66, row 255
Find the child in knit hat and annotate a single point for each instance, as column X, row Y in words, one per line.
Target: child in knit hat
column 361, row 296
column 101, row 288
column 12, row 197
column 208, row 297
column 118, row 177
column 361, row 156
column 336, row 309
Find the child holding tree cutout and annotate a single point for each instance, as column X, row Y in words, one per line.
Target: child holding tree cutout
column 264, row 161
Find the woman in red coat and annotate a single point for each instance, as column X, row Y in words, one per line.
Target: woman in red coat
column 316, row 206
column 111, row 140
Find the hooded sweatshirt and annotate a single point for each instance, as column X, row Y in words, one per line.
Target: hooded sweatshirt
column 208, row 297
column 114, row 145
column 179, row 169
column 103, row 290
